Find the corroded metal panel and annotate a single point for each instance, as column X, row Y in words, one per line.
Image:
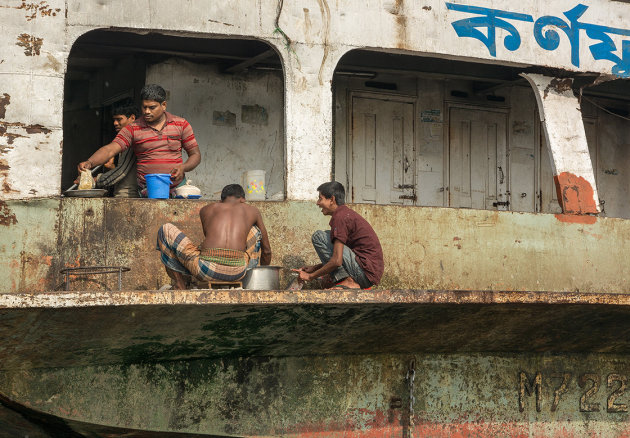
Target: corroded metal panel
column 316, row 363
column 28, row 244
column 96, row 328
column 507, row 395
column 435, row 248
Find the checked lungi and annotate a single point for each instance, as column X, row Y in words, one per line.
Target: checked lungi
column 181, row 255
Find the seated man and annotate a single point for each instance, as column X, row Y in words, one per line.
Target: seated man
column 235, row 240
column 121, row 176
column 350, row 252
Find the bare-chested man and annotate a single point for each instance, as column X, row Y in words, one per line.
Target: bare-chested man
column 235, row 240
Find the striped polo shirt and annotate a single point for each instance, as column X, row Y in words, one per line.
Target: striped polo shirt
column 157, row 151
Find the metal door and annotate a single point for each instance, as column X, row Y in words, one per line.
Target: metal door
column 478, row 173
column 383, row 163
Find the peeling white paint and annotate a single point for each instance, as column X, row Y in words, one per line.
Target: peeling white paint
column 319, row 39
column 561, row 118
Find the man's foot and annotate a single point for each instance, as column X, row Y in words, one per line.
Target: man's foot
column 346, row 283
column 327, row 281
column 178, row 280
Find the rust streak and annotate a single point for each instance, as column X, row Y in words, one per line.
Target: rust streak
column 4, row 102
column 7, row 217
column 31, row 44
column 401, row 22
column 6, row 188
column 325, row 11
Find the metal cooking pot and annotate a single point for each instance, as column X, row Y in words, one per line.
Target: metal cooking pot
column 262, row 278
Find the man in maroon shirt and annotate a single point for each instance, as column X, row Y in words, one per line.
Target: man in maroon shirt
column 157, row 139
column 350, row 252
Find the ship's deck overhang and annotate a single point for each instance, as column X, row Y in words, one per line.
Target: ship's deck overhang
column 53, row 329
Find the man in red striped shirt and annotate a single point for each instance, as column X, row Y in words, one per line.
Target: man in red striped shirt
column 157, row 139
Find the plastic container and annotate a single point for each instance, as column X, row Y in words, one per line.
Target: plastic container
column 187, row 191
column 158, row 185
column 254, row 185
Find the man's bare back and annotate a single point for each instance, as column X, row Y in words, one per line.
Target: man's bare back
column 227, row 223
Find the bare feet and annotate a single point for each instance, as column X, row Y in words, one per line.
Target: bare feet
column 178, row 279
column 346, row 283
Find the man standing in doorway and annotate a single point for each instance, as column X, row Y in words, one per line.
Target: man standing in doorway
column 122, row 175
column 350, row 252
column 157, row 139
column 235, row 239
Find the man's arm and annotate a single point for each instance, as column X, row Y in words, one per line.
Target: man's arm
column 193, row 160
column 335, row 261
column 265, row 250
column 100, row 156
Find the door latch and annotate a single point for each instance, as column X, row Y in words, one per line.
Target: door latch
column 499, row 203
column 406, row 186
column 412, row 197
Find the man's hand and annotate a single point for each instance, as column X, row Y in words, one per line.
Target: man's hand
column 304, row 273
column 110, row 164
column 309, row 269
column 177, row 174
column 84, row 165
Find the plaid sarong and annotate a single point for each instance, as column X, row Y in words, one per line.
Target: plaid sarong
column 225, row 257
column 180, row 254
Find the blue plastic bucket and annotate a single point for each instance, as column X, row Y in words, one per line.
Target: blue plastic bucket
column 158, row 185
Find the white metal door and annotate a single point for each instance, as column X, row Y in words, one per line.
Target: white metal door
column 383, row 163
column 478, row 159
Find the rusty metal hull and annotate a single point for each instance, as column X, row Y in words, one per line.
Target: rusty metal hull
column 322, row 363
column 435, row 248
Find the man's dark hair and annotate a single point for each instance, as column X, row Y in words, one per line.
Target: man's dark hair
column 153, row 92
column 232, row 190
column 333, row 188
column 125, row 109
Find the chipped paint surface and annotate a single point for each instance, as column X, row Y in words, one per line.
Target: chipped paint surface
column 45, row 32
column 31, row 44
column 575, row 194
column 321, row 363
column 4, row 101
column 33, row 10
column 333, row 396
column 520, row 251
column 566, row 139
column 7, row 217
column 311, row 363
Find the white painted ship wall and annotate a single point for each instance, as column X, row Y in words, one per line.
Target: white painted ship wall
column 37, row 38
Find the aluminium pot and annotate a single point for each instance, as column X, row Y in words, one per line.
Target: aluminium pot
column 262, row 278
